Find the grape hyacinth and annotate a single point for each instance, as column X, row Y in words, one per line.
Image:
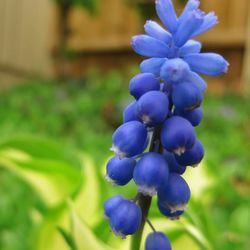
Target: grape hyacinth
column 168, row 94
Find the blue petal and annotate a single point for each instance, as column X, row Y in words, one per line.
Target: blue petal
column 165, row 11
column 155, row 30
column 197, row 80
column 152, row 65
column 190, row 6
column 210, row 20
column 149, row 46
column 187, row 27
column 210, row 64
column 190, row 47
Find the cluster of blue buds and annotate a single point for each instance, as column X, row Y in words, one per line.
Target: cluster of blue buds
column 168, row 95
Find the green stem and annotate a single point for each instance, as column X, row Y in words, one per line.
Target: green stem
column 145, row 201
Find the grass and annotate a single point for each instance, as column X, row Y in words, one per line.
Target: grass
column 81, row 115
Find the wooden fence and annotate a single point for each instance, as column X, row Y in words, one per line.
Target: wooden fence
column 24, row 39
column 29, row 29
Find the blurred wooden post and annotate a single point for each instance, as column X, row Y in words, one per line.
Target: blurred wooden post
column 246, row 64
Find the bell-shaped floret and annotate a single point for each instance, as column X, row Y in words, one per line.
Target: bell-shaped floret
column 193, row 156
column 194, row 116
column 187, row 96
column 130, row 139
column 111, row 204
column 152, row 108
column 129, row 112
column 152, row 65
column 157, row 241
column 142, row 83
column 174, row 70
column 177, row 135
column 175, row 194
column 120, row 171
column 125, row 218
column 173, row 165
column 151, row 172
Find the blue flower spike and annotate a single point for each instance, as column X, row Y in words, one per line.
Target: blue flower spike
column 168, row 94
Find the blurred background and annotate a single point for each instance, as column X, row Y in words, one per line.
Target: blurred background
column 64, row 72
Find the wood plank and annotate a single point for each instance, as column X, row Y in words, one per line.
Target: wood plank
column 246, row 64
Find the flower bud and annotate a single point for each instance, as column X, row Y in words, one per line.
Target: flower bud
column 148, row 46
column 151, row 172
column 129, row 112
column 111, row 204
column 177, row 135
column 211, row 64
column 125, row 218
column 175, row 194
column 187, row 96
column 142, row 83
column 194, row 116
column 152, row 108
column 130, row 139
column 174, row 70
column 157, row 241
column 173, row 165
column 120, row 171
column 152, row 65
column 153, row 29
column 193, row 156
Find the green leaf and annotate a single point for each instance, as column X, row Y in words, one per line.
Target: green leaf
column 196, row 235
column 82, row 234
column 67, row 237
column 87, row 201
column 53, row 180
column 38, row 147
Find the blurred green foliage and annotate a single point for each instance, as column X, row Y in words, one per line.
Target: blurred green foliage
column 74, row 117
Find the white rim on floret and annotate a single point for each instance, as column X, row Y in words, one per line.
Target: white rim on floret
column 119, row 233
column 107, row 177
column 148, row 191
column 118, row 152
column 146, row 119
column 178, row 207
column 179, row 151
